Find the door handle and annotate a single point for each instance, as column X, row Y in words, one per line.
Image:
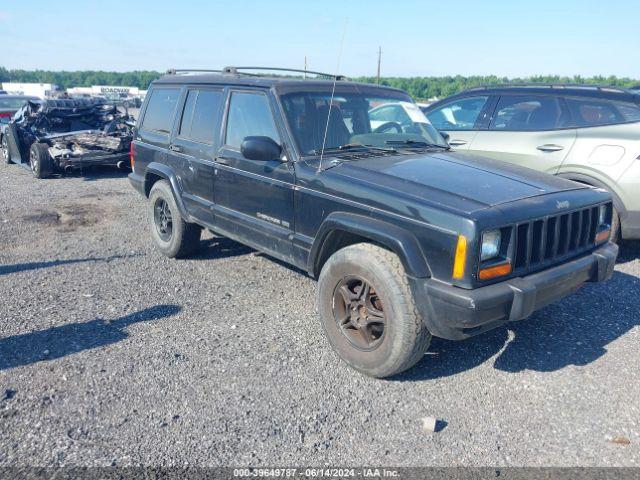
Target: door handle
column 457, row 143
column 549, row 147
column 222, row 161
column 175, row 148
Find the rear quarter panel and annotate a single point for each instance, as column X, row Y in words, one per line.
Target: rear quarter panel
column 608, row 154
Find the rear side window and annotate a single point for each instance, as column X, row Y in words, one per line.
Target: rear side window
column 12, row 103
column 458, row 115
column 528, row 113
column 200, row 116
column 249, row 114
column 187, row 114
column 160, row 109
column 589, row 113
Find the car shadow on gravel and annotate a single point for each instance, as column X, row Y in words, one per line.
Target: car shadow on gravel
column 93, row 174
column 629, row 251
column 220, row 247
column 57, row 342
column 22, row 267
column 575, row 331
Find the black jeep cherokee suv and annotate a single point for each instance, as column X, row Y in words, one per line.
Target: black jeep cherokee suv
column 407, row 239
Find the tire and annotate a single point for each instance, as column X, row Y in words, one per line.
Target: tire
column 40, row 160
column 402, row 340
column 175, row 238
column 6, row 154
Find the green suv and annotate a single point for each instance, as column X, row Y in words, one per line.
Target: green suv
column 589, row 134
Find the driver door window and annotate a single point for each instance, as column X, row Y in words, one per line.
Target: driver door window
column 459, row 119
column 249, row 115
column 458, row 115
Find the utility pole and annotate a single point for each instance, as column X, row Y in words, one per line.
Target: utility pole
column 379, row 59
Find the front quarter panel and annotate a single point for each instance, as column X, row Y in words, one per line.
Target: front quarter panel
column 426, row 249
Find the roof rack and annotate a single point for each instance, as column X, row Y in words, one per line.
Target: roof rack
column 552, row 85
column 183, row 71
column 236, row 71
column 241, row 71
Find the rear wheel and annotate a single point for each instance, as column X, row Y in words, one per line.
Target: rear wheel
column 173, row 236
column 5, row 149
column 368, row 312
column 40, row 160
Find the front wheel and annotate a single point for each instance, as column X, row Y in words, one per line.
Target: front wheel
column 368, row 312
column 173, row 236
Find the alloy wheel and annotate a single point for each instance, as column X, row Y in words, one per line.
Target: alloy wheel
column 359, row 313
column 33, row 161
column 163, row 219
column 5, row 147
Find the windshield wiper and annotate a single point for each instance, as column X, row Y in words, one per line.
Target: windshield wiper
column 416, row 143
column 352, row 146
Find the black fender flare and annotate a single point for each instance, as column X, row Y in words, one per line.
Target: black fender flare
column 582, row 178
column 166, row 172
column 402, row 242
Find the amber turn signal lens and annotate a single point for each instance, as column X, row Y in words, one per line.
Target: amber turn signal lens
column 603, row 236
column 461, row 257
column 496, row 271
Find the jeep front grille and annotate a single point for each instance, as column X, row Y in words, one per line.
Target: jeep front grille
column 552, row 238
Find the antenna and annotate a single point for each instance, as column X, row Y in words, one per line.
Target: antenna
column 379, row 58
column 333, row 91
column 305, row 67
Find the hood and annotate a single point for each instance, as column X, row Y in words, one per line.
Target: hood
column 461, row 181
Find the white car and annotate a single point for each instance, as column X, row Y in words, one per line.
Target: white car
column 398, row 116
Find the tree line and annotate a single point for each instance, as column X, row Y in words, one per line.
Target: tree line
column 421, row 88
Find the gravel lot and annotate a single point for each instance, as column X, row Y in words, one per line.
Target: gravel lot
column 111, row 354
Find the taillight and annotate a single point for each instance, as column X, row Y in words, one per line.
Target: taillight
column 132, row 154
column 6, row 114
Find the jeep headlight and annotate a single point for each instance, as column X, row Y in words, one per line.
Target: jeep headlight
column 604, row 228
column 602, row 215
column 490, row 245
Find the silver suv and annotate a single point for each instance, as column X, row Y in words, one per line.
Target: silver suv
column 590, row 134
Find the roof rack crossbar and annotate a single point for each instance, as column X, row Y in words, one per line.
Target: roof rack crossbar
column 236, row 71
column 239, row 71
column 550, row 85
column 176, row 71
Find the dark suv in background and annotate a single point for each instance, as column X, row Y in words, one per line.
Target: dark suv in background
column 407, row 239
column 586, row 133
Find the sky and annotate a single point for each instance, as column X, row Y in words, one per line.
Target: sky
column 418, row 38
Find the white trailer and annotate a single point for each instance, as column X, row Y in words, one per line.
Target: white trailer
column 41, row 90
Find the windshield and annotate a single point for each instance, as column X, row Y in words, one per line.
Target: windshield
column 356, row 119
column 12, row 103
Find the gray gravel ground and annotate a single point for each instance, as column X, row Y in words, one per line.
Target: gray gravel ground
column 113, row 354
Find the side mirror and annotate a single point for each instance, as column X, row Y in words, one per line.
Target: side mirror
column 445, row 135
column 260, row 148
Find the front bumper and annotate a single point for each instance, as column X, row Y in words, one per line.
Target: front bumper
column 455, row 313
